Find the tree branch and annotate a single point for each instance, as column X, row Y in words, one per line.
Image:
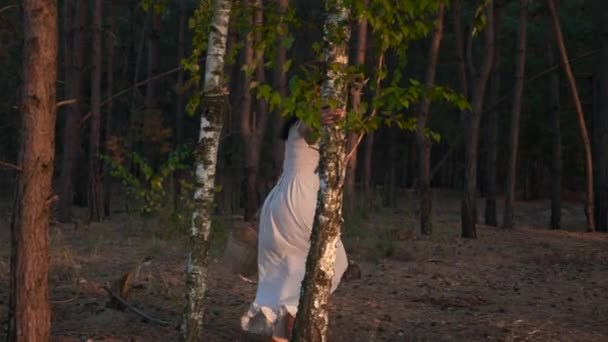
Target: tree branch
column 10, row 166
column 133, row 309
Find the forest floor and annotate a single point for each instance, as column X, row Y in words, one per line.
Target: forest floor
column 525, row 284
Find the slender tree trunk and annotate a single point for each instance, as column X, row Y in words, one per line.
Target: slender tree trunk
column 280, row 84
column 600, row 127
column 95, row 196
column 181, row 103
column 471, row 121
column 520, row 73
column 353, row 137
column 110, row 41
column 153, row 39
column 71, row 132
column 367, row 169
column 247, row 122
column 253, row 125
column 492, row 129
column 462, row 74
column 312, row 319
column 422, row 138
column 215, row 106
column 581, row 116
column 556, row 137
column 29, row 307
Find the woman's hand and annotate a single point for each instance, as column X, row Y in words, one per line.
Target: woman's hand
column 329, row 117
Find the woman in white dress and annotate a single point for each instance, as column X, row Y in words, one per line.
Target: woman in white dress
column 286, row 220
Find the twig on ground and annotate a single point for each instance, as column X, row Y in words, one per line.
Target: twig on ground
column 135, row 310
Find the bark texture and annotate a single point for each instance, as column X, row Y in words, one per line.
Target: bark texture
column 29, row 307
column 312, row 320
column 580, row 115
column 520, row 71
column 214, row 105
column 422, row 137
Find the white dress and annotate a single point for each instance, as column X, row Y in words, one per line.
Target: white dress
column 286, row 221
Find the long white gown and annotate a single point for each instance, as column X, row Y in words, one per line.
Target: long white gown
column 286, row 221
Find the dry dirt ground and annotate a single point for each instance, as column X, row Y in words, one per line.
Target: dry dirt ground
column 526, row 284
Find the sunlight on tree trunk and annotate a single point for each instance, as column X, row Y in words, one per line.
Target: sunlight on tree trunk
column 214, row 104
column 312, row 318
column 520, row 71
column 422, row 137
column 29, row 306
column 581, row 116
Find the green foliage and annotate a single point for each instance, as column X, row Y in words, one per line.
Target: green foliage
column 148, row 190
column 157, row 6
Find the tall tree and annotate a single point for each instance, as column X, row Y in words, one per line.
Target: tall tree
column 214, row 102
column 580, row 114
column 253, row 124
column 422, row 137
column 29, row 308
column 600, row 127
column 95, row 195
column 471, row 121
column 492, row 125
column 280, row 84
column 556, row 135
column 353, row 137
column 71, row 130
column 312, row 319
column 110, row 45
column 520, row 71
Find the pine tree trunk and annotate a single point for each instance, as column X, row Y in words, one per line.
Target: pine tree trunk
column 353, row 137
column 491, row 217
column 215, row 107
column 520, row 71
column 95, row 196
column 471, row 121
column 110, row 41
column 247, row 118
column 422, row 138
column 29, row 307
column 556, row 137
column 72, row 132
column 581, row 116
column 600, row 127
column 280, row 84
column 312, row 318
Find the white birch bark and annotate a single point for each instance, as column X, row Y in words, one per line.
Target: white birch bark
column 312, row 321
column 214, row 106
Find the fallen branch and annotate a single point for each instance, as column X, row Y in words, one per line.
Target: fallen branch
column 135, row 310
column 10, row 166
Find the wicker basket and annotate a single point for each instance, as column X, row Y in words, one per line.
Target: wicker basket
column 240, row 255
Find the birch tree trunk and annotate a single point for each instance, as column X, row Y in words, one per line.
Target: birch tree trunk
column 422, row 138
column 312, row 319
column 351, row 166
column 29, row 306
column 581, row 116
column 214, row 104
column 520, row 71
column 95, row 196
column 471, row 122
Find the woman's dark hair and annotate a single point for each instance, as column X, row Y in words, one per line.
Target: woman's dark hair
column 287, row 126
